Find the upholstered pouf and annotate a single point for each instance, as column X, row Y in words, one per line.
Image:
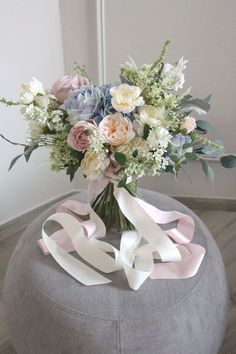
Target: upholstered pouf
column 49, row 312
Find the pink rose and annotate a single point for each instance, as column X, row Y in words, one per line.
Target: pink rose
column 78, row 138
column 112, row 170
column 64, row 86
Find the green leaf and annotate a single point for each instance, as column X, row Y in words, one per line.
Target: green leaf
column 120, row 158
column 14, row 161
column 146, row 130
column 66, row 128
column 122, row 182
column 28, row 151
column 191, row 156
column 204, row 125
column 210, row 175
column 135, row 153
column 71, row 171
column 228, row 161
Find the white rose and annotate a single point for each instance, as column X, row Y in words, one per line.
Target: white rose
column 35, row 86
column 188, row 124
column 125, row 98
column 139, row 144
column 150, row 115
column 93, row 167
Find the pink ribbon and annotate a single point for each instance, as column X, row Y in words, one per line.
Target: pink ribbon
column 191, row 254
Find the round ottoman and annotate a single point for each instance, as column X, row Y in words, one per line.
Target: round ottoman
column 49, row 312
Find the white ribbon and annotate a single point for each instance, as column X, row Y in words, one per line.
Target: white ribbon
column 138, row 248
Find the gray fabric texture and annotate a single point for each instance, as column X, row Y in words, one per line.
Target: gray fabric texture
column 49, row 312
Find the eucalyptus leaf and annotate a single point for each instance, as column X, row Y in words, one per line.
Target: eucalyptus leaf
column 195, row 105
column 228, row 161
column 204, row 125
column 11, row 142
column 208, row 98
column 14, row 161
column 209, row 172
column 212, row 151
column 120, row 158
column 28, row 151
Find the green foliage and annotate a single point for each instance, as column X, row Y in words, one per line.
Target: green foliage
column 135, row 153
column 228, row 161
column 190, row 104
column 9, row 103
column 146, row 130
column 28, row 151
column 122, row 182
column 215, row 149
column 14, row 161
column 160, row 59
column 80, row 69
column 120, row 158
column 204, row 126
column 209, row 172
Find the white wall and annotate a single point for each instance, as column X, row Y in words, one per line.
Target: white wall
column 31, row 44
column 202, row 31
column 205, row 33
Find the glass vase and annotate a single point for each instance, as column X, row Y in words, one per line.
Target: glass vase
column 106, row 206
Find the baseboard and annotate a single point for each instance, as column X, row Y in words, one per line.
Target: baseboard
column 20, row 222
column 202, row 203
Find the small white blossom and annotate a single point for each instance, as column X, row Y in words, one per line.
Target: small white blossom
column 158, row 137
column 32, row 112
column 35, row 87
column 173, row 77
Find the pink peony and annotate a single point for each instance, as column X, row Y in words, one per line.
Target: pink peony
column 116, row 129
column 64, row 86
column 78, row 138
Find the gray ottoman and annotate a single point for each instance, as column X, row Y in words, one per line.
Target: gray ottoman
column 48, row 312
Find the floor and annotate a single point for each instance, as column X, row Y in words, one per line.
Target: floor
column 217, row 222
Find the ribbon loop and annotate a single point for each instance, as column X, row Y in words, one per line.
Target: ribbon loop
column 138, row 249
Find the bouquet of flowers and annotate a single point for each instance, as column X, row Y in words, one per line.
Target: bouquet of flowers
column 117, row 133
column 122, row 131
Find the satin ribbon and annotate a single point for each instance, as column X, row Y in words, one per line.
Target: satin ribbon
column 178, row 257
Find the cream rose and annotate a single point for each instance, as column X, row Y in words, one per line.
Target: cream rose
column 188, row 124
column 125, row 98
column 116, row 129
column 150, row 115
column 92, row 166
column 139, row 144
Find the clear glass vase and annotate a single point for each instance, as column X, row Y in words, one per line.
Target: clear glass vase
column 106, row 206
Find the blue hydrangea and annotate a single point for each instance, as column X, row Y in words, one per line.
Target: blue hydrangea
column 83, row 103
column 179, row 146
column 104, row 107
